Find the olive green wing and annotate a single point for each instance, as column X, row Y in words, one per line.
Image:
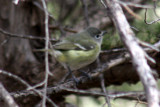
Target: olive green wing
column 64, row 46
column 76, row 42
column 85, row 45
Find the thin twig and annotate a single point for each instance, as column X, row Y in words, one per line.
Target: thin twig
column 54, row 90
column 154, row 9
column 104, row 90
column 23, row 36
column 148, row 45
column 37, row 85
column 141, row 102
column 134, row 28
column 103, row 3
column 113, row 95
column 152, row 22
column 47, row 72
column 132, row 12
column 114, row 50
column 134, row 5
column 7, row 97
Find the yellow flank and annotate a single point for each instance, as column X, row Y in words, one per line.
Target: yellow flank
column 77, row 58
column 60, row 56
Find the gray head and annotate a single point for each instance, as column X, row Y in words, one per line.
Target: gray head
column 96, row 34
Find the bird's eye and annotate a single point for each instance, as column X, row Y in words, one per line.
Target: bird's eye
column 97, row 36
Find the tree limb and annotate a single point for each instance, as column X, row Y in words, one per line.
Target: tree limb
column 7, row 97
column 136, row 52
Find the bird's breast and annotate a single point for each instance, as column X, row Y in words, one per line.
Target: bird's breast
column 77, row 59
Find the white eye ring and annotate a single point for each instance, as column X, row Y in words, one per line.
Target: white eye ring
column 98, row 36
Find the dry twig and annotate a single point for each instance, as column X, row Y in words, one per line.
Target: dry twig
column 47, row 71
column 132, row 12
column 23, row 36
column 27, row 85
column 104, row 90
column 152, row 22
column 134, row 5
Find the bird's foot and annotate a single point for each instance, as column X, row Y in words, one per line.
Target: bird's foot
column 85, row 74
column 76, row 80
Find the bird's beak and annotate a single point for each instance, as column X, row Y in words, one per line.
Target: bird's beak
column 104, row 32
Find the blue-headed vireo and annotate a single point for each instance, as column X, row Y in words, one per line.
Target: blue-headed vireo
column 79, row 50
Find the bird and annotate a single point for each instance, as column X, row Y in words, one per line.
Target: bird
column 78, row 50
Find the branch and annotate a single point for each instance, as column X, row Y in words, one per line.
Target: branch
column 136, row 52
column 104, row 90
column 27, row 85
column 155, row 6
column 152, row 22
column 134, row 5
column 130, row 11
column 111, row 94
column 47, row 71
column 7, row 97
column 23, row 36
